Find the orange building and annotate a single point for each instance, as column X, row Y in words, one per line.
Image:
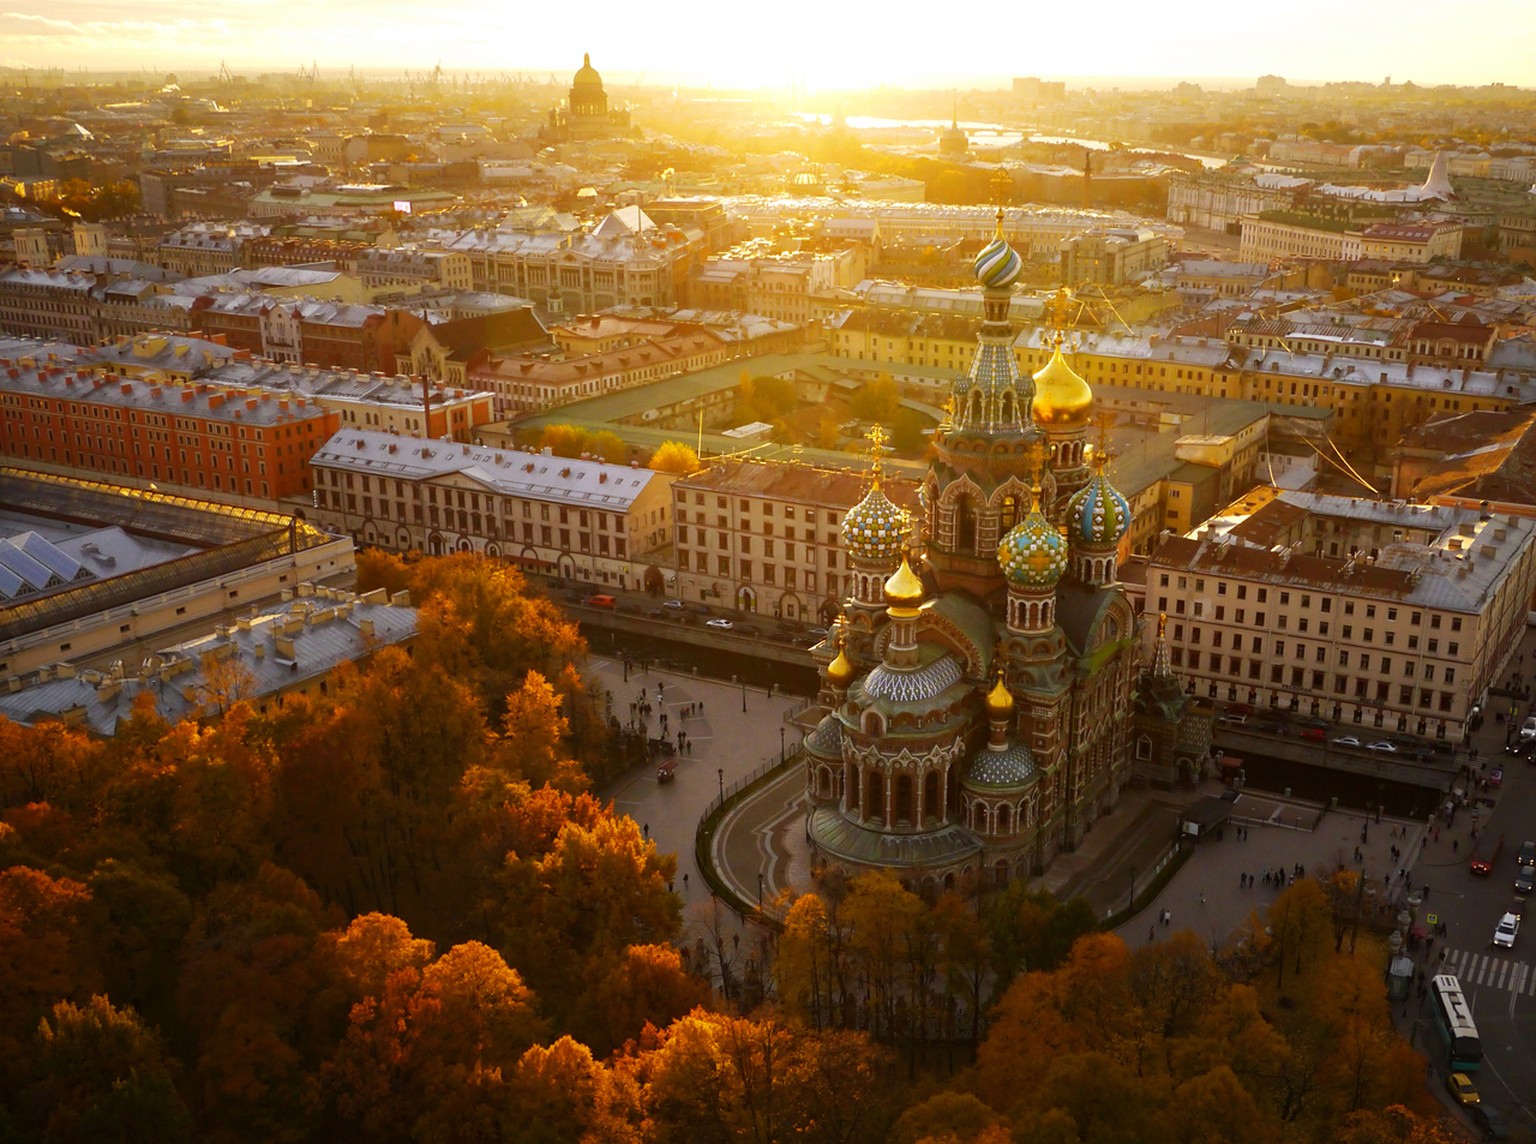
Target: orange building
column 224, row 443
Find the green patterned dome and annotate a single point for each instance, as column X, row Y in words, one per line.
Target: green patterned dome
column 1098, row 514
column 1034, row 553
column 875, row 529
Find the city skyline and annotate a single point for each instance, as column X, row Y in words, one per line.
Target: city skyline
column 806, row 47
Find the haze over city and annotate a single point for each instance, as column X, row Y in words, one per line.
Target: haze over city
column 801, row 44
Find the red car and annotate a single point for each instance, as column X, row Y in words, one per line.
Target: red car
column 1316, row 734
column 1484, row 857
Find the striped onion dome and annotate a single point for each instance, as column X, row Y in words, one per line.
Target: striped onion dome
column 998, row 266
column 1098, row 514
column 1034, row 553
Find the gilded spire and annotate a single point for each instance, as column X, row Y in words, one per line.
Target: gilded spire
column 1161, row 668
column 877, row 439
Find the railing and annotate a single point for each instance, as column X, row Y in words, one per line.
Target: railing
column 709, row 823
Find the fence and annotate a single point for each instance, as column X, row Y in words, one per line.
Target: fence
column 709, row 822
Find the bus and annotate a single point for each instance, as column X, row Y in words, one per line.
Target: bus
column 1453, row 1017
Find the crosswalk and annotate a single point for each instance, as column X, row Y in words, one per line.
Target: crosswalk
column 1488, row 970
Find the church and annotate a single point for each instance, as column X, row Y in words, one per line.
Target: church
column 978, row 685
column 585, row 115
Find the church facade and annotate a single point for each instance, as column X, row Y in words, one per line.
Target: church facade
column 586, row 115
column 978, row 685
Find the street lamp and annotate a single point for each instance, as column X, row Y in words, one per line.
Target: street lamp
column 781, row 744
column 743, row 695
column 759, row 891
column 720, row 774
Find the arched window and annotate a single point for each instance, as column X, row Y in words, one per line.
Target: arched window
column 932, row 808
column 874, row 804
column 965, row 531
column 902, row 811
column 1144, row 749
column 1010, row 513
column 1004, row 820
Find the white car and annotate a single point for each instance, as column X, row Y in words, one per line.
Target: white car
column 1346, row 741
column 1504, row 933
column 1528, row 728
column 719, row 622
column 1383, row 745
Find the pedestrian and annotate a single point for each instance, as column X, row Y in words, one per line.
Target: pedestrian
column 645, row 831
column 1167, row 917
column 1455, row 845
column 685, row 881
column 1151, row 933
column 1426, row 891
column 1429, row 946
column 1202, row 897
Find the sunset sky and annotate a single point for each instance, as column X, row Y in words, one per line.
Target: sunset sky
column 812, row 44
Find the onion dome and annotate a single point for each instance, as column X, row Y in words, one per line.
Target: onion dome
column 840, row 671
column 998, row 266
column 1062, row 397
column 1034, row 553
column 1010, row 768
column 875, row 529
column 904, row 589
column 1098, row 514
column 999, row 700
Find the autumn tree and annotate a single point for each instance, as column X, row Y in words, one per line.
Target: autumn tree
column 639, row 986
column 674, row 457
column 1302, row 923
column 100, row 1075
column 564, row 440
column 609, row 446
column 44, row 954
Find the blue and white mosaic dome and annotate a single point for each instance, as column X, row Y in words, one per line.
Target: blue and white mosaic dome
column 1098, row 514
column 1034, row 553
column 998, row 266
column 875, row 529
column 1013, row 766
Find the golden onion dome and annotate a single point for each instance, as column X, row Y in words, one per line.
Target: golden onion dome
column 1062, row 397
column 903, row 589
column 840, row 671
column 999, row 700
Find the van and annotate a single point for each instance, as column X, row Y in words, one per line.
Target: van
column 601, row 601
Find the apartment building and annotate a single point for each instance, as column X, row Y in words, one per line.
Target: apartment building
column 766, row 538
column 1382, row 614
column 582, row 520
column 201, row 439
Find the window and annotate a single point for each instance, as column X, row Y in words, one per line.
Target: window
column 1455, row 623
column 1391, row 614
column 1348, row 631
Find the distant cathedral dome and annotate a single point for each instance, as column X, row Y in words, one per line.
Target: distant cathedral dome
column 1034, row 553
column 1062, row 397
column 1098, row 514
column 874, row 529
column 1013, row 766
column 587, row 75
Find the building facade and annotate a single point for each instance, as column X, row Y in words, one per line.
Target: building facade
column 978, row 696
column 584, row 521
column 1381, row 614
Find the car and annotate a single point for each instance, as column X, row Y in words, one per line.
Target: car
column 1524, row 876
column 1484, row 856
column 1527, row 855
column 1346, row 741
column 1239, row 708
column 1463, row 1091
column 1231, row 719
column 673, row 605
column 720, row 622
column 819, row 633
column 1316, row 734
column 601, row 600
column 1491, row 1121
column 1443, row 746
column 1505, row 932
column 1516, row 907
column 1382, row 745
column 1528, row 728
